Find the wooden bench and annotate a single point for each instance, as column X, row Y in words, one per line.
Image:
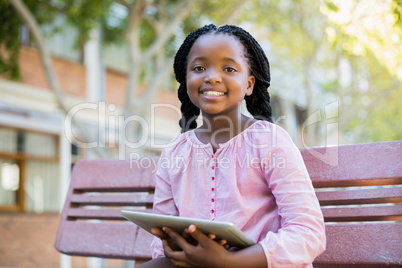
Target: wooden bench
column 360, row 196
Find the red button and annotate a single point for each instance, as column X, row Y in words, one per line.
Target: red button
column 213, row 178
column 213, row 200
column 212, row 210
column 213, row 189
column 219, row 147
column 213, row 167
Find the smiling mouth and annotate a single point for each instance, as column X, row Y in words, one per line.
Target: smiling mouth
column 213, row 93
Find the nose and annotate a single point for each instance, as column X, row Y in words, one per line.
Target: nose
column 212, row 76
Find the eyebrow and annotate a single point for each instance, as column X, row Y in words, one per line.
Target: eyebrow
column 197, row 59
column 224, row 59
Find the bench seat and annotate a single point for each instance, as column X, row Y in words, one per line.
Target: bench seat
column 360, row 193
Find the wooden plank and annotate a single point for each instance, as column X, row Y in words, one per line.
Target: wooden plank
column 363, row 196
column 113, row 200
column 373, row 213
column 118, row 174
column 366, row 244
column 108, row 175
column 355, row 165
column 98, row 214
column 122, row 240
column 114, row 189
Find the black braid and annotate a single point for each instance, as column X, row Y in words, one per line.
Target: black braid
column 189, row 111
column 257, row 103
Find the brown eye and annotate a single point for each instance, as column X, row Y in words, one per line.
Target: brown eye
column 230, row 69
column 198, row 69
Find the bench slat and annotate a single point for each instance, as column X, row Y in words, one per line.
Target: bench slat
column 340, row 242
column 122, row 240
column 119, row 174
column 355, row 165
column 113, row 200
column 363, row 196
column 374, row 213
column 378, row 244
column 98, row 214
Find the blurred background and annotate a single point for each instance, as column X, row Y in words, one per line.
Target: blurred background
column 94, row 79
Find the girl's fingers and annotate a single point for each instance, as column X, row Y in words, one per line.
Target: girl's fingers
column 178, row 239
column 197, row 235
column 178, row 258
column 158, row 232
column 222, row 242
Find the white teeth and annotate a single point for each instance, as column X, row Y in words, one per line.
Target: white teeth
column 213, row 93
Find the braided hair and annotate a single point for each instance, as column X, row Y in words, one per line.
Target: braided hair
column 257, row 103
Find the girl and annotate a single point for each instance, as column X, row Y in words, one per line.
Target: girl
column 233, row 168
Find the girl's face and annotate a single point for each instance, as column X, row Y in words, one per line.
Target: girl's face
column 218, row 75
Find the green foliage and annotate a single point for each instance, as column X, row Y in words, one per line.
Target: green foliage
column 301, row 37
column 397, row 9
column 331, row 6
column 114, row 23
column 85, row 15
column 9, row 31
column 373, row 113
column 111, row 16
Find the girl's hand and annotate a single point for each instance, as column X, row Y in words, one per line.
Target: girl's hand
column 165, row 237
column 205, row 253
column 194, row 242
column 162, row 235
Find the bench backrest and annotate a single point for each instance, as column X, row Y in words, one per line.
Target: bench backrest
column 360, row 198
column 361, row 188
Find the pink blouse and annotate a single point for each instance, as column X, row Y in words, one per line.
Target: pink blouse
column 257, row 180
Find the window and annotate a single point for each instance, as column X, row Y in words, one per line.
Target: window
column 10, row 182
column 29, row 170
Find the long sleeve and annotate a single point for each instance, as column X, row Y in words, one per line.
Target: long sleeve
column 163, row 202
column 301, row 237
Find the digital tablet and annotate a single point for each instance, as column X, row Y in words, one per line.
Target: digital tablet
column 223, row 230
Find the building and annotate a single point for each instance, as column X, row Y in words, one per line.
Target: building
column 38, row 145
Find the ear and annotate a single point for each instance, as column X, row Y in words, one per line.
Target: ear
column 250, row 85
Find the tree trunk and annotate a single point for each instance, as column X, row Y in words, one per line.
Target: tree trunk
column 136, row 103
column 51, row 76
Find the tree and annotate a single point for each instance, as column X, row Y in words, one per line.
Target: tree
column 30, row 20
column 366, row 37
column 295, row 34
column 311, row 53
column 148, row 30
column 316, row 59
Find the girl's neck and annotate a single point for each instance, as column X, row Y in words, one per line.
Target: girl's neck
column 220, row 129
